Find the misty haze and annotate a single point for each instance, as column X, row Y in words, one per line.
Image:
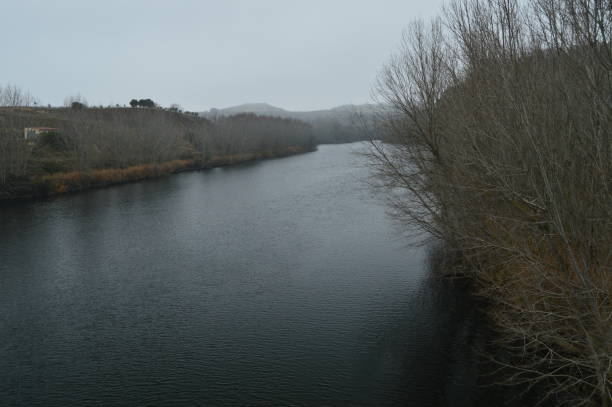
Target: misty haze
column 274, row 203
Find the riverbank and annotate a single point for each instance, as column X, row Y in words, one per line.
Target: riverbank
column 475, row 378
column 47, row 152
column 75, row 181
column 506, row 157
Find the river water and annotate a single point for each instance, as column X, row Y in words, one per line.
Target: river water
column 280, row 282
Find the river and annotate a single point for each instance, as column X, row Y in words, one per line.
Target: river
column 279, row 282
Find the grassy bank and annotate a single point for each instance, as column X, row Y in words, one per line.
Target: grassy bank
column 66, row 182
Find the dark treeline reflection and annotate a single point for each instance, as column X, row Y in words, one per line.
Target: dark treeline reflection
column 463, row 342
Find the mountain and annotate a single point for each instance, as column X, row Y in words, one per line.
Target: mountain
column 337, row 125
column 265, row 109
column 260, row 109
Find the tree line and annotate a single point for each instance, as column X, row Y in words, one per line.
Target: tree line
column 12, row 95
column 118, row 138
column 499, row 143
column 142, row 103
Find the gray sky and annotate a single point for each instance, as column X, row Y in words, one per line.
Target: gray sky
column 299, row 55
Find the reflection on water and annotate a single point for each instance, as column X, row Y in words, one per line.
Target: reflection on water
column 275, row 283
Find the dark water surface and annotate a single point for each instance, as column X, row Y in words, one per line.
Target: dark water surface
column 280, row 282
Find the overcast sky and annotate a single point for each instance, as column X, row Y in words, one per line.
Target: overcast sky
column 299, row 55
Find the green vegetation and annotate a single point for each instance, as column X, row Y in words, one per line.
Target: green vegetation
column 142, row 103
column 88, row 147
column 500, row 145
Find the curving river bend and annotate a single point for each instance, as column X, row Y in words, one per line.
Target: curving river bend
column 280, row 282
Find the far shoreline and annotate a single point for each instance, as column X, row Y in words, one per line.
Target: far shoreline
column 73, row 182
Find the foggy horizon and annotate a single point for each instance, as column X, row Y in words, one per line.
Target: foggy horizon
column 204, row 55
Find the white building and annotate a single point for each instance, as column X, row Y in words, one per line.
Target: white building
column 32, row 133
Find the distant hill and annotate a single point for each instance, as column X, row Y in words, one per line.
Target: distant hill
column 262, row 109
column 337, row 125
column 269, row 110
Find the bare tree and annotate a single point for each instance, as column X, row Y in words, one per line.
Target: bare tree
column 69, row 101
column 14, row 151
column 13, row 96
column 499, row 143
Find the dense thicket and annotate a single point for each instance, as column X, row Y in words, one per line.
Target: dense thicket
column 89, row 139
column 247, row 132
column 342, row 124
column 500, row 144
